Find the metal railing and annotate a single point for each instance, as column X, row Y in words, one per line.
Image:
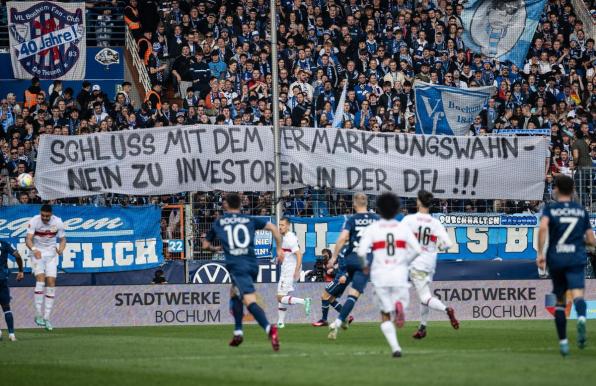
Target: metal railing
column 133, row 49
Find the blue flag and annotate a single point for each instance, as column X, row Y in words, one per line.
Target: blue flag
column 448, row 110
column 501, row 29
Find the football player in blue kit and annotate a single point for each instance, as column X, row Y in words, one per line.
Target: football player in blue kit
column 5, row 250
column 334, row 290
column 236, row 231
column 562, row 237
column 350, row 237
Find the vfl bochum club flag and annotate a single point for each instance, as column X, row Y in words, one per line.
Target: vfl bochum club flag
column 47, row 39
column 501, row 29
column 448, row 110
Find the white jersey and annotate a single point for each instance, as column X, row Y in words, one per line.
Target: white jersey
column 431, row 235
column 290, row 246
column 44, row 235
column 393, row 247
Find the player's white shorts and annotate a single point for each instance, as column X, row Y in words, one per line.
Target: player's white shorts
column 286, row 280
column 47, row 265
column 421, row 281
column 386, row 297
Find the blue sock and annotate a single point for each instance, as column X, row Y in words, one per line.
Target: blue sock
column 259, row 315
column 580, row 306
column 9, row 320
column 337, row 305
column 347, row 308
column 325, row 309
column 237, row 311
column 561, row 322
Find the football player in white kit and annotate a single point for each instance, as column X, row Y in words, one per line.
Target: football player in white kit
column 432, row 236
column 290, row 272
column 393, row 248
column 42, row 232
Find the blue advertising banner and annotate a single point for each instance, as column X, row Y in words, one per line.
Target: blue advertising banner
column 478, row 237
column 98, row 239
column 501, row 29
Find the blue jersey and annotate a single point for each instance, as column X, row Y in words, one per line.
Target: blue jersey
column 355, row 224
column 567, row 226
column 5, row 250
column 237, row 235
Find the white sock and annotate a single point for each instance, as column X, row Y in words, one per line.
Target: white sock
column 424, row 313
column 581, row 319
column 39, row 288
column 238, row 333
column 436, row 304
column 388, row 329
column 281, row 313
column 563, row 341
column 291, row 300
column 50, row 293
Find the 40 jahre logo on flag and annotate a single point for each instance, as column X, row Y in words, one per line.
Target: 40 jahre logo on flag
column 47, row 40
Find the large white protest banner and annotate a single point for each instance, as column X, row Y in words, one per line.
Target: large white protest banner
column 240, row 158
column 47, row 39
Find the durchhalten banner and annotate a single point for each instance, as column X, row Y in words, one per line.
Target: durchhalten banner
column 501, row 29
column 97, row 239
column 47, row 39
column 448, row 110
column 168, row 160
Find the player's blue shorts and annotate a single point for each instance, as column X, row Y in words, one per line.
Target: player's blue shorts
column 354, row 269
column 567, row 278
column 335, row 288
column 243, row 276
column 4, row 292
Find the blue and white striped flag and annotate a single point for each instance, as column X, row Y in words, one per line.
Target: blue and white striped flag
column 339, row 109
column 448, row 110
column 501, row 29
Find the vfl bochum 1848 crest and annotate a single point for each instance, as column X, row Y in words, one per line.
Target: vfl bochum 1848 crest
column 47, row 39
column 501, row 29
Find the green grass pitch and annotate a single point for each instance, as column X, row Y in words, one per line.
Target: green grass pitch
column 480, row 353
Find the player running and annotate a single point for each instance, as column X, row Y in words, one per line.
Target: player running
column 290, row 272
column 5, row 250
column 432, row 236
column 564, row 231
column 333, row 291
column 42, row 231
column 393, row 247
column 236, row 232
column 350, row 236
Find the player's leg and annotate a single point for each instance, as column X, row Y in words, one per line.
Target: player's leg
column 386, row 301
column 5, row 303
column 284, row 297
column 559, row 289
column 50, row 293
column 244, row 279
column 421, row 281
column 38, row 266
column 284, row 287
column 358, row 285
column 576, row 283
column 332, row 292
column 237, row 310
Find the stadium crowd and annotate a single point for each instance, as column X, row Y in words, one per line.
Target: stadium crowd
column 209, row 62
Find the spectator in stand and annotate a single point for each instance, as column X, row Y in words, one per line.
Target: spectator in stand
column 221, row 52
